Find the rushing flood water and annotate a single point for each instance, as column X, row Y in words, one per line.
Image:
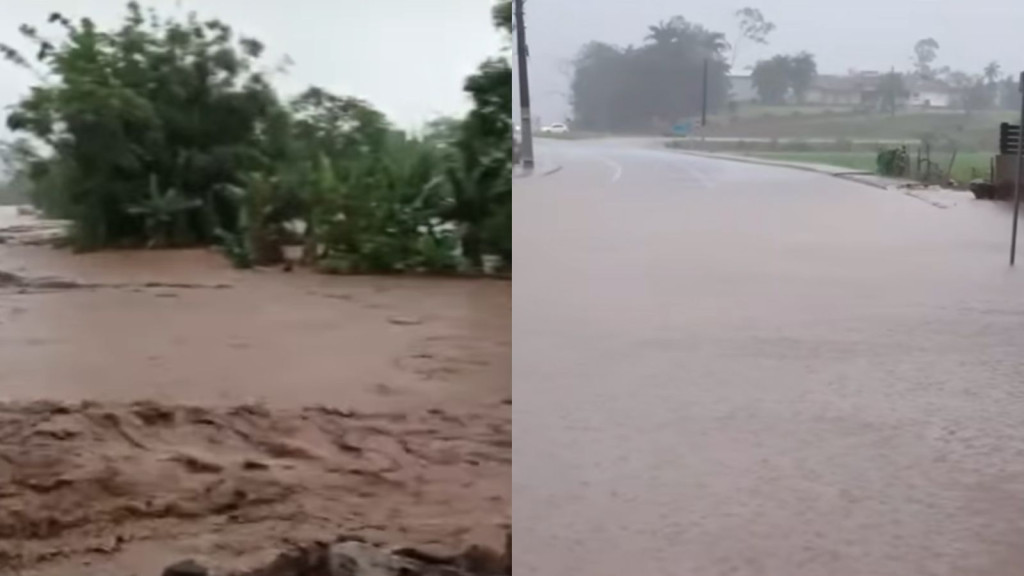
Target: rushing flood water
column 288, row 339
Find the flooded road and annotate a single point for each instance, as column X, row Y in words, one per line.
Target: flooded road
column 734, row 369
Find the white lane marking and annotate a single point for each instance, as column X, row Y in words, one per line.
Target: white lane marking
column 672, row 161
column 704, row 180
column 616, row 168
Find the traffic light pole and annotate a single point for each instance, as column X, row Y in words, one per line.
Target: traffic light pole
column 1020, row 174
column 525, row 118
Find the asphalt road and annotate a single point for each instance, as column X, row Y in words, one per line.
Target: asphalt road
column 729, row 369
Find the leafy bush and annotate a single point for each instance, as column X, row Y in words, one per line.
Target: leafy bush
column 161, row 132
column 893, row 161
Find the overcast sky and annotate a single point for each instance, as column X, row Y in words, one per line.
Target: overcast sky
column 862, row 34
column 409, row 57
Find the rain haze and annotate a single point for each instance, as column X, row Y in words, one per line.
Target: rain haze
column 408, row 57
column 766, row 320
column 864, row 35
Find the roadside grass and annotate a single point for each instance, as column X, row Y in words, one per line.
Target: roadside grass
column 966, row 167
column 767, row 111
column 977, row 131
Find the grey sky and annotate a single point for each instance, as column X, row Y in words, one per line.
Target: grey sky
column 409, row 57
column 862, row 34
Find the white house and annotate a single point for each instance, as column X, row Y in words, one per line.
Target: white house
column 742, row 89
column 828, row 90
column 929, row 94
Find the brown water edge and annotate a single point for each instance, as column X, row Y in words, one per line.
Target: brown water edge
column 382, row 408
column 286, row 339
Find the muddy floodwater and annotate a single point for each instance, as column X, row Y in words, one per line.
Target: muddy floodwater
column 182, row 327
column 158, row 405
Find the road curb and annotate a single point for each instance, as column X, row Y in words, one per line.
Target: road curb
column 847, row 176
column 791, row 165
column 520, row 173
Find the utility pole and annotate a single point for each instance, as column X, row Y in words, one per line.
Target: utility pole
column 1020, row 174
column 704, row 100
column 525, row 118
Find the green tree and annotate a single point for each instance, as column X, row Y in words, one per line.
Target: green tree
column 993, row 71
column 775, row 78
column 752, row 27
column 480, row 174
column 803, row 69
column 891, row 90
column 926, row 51
column 181, row 100
column 772, row 79
column 652, row 86
column 162, row 132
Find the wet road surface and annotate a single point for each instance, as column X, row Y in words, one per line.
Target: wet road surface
column 733, row 369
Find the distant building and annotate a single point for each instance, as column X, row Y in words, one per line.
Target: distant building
column 848, row 91
column 742, row 89
column 929, row 94
column 862, row 90
column 856, row 90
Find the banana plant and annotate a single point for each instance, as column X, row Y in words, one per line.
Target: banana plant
column 162, row 212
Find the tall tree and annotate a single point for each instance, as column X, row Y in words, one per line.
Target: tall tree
column 752, row 27
column 993, row 71
column 178, row 102
column 651, row 86
column 891, row 90
column 662, row 33
column 772, row 79
column 926, row 51
column 803, row 69
column 481, row 178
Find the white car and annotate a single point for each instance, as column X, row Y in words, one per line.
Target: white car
column 555, row 129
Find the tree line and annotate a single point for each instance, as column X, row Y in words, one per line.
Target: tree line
column 660, row 83
column 652, row 86
column 785, row 78
column 165, row 131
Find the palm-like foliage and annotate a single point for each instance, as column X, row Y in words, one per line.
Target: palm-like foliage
column 181, row 100
column 166, row 132
column 652, row 86
column 162, row 212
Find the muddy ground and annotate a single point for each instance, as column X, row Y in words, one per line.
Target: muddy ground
column 159, row 405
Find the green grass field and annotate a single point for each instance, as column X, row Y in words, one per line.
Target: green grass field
column 977, row 131
column 967, row 166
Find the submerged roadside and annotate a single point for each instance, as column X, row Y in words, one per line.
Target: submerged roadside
column 154, row 399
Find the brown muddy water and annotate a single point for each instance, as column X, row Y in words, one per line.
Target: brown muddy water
column 161, row 405
column 182, row 327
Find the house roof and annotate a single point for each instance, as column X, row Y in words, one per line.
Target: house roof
column 920, row 85
column 831, row 83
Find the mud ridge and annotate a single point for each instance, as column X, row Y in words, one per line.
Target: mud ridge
column 77, row 478
column 27, row 284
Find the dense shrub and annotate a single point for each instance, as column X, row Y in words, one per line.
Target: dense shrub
column 162, row 132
